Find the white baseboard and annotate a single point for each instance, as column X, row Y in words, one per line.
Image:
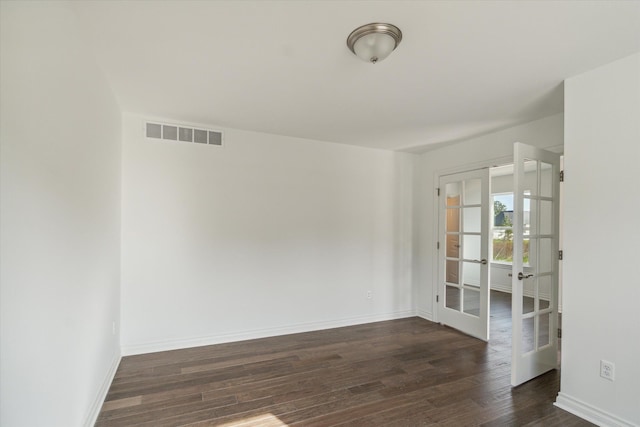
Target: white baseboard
column 424, row 314
column 102, row 393
column 589, row 412
column 501, row 287
column 152, row 347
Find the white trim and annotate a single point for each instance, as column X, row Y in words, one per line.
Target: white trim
column 424, row 314
column 589, row 412
column 152, row 347
column 435, row 279
column 94, row 411
column 484, row 164
column 501, row 288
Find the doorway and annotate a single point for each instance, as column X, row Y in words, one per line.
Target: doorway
column 510, row 255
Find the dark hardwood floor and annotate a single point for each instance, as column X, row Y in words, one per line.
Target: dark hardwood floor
column 408, row 372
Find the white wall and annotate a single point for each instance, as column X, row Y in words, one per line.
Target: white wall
column 60, row 232
column 262, row 236
column 473, row 153
column 601, row 274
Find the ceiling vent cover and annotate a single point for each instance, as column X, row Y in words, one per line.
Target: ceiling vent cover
column 182, row 133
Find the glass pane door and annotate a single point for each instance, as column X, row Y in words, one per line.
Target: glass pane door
column 463, row 274
column 535, row 263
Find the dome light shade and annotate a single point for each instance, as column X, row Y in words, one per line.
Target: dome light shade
column 374, row 42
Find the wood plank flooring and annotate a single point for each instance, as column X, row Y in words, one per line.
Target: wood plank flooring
column 408, row 372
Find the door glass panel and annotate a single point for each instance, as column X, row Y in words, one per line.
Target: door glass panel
column 528, row 292
column 472, row 192
column 453, row 191
column 471, row 247
column 452, row 298
column 531, row 176
column 471, row 274
column 526, row 213
column 543, row 329
column 471, row 222
column 530, row 217
column 453, row 246
column 546, row 179
column 502, row 243
column 546, row 216
column 546, row 257
column 452, row 217
column 528, row 335
column 452, row 272
column 526, row 244
column 472, row 302
column 544, row 291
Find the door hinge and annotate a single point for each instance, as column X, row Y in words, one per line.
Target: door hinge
column 438, row 190
column 438, row 245
column 560, row 254
column 437, row 298
column 559, row 333
column 561, row 176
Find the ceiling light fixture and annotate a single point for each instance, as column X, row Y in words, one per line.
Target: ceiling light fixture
column 374, row 42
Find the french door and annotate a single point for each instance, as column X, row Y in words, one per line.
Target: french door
column 535, row 263
column 463, row 285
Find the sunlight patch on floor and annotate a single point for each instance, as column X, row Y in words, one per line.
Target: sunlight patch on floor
column 262, row 420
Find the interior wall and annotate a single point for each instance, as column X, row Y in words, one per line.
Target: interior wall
column 60, row 220
column 262, row 236
column 601, row 285
column 473, row 153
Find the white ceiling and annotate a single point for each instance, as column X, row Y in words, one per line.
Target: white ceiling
column 463, row 68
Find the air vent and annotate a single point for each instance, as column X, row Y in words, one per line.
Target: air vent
column 183, row 133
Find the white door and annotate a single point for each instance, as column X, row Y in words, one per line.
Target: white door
column 463, row 285
column 535, row 263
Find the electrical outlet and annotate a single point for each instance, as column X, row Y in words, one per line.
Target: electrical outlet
column 369, row 295
column 607, row 370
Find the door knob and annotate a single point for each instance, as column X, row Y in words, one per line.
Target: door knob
column 481, row 261
column 522, row 276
